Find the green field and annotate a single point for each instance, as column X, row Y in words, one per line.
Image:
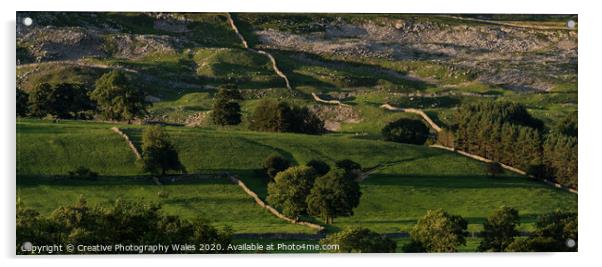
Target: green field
column 412, row 179
column 216, row 200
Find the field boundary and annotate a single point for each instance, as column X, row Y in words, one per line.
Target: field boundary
column 419, row 112
column 435, row 127
column 269, row 208
column 507, row 167
column 128, row 141
column 332, row 102
column 268, row 55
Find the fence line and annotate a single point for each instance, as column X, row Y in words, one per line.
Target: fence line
column 268, row 55
column 507, row 167
column 128, row 141
column 333, row 102
column 415, row 111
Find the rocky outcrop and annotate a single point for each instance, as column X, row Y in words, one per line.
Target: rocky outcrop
column 334, row 115
column 62, row 43
column 245, row 44
column 134, row 46
column 494, row 53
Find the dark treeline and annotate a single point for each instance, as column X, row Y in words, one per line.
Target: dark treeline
column 506, row 132
column 123, row 222
column 273, row 116
column 115, row 96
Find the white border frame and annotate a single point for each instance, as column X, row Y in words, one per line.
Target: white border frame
column 589, row 94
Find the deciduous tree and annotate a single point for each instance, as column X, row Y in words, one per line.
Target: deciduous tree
column 500, row 229
column 118, row 98
column 290, row 189
column 406, row 131
column 334, row 195
column 360, row 240
column 226, row 110
column 158, row 153
column 438, row 231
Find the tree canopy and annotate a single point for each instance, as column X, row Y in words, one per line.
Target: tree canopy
column 290, row 189
column 158, row 153
column 273, row 116
column 438, row 231
column 121, row 222
column 507, row 133
column 555, row 231
column 226, row 109
column 360, row 240
column 274, row 164
column 320, row 166
column 499, row 229
column 22, row 103
column 334, row 195
column 408, row 131
column 63, row 100
column 118, row 98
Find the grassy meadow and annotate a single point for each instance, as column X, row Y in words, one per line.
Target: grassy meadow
column 410, row 179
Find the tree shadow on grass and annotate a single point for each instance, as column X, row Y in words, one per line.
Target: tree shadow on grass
column 453, row 181
column 278, row 150
column 524, row 219
column 351, row 74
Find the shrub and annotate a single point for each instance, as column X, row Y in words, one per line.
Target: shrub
column 499, row 230
column 82, row 173
column 553, row 231
column 122, row 222
column 272, row 116
column 163, row 194
column 569, row 125
column 319, row 166
column 406, row 131
column 158, row 153
column 360, row 240
column 351, row 167
column 274, row 164
column 61, row 100
column 22, row 99
column 226, row 111
column 438, row 231
column 493, row 168
column 348, row 165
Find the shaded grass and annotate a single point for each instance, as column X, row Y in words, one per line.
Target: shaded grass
column 413, row 179
column 392, row 203
column 48, row 148
column 217, row 200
